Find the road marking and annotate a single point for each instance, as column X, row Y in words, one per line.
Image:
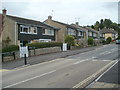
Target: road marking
column 30, row 79
column 79, row 62
column 18, row 68
column 4, row 70
column 86, row 81
column 106, row 71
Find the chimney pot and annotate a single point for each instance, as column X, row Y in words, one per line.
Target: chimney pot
column 4, row 11
column 50, row 17
column 77, row 23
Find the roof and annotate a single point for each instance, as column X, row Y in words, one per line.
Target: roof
column 30, row 21
column 67, row 25
column 0, row 24
column 91, row 30
column 107, row 31
column 78, row 27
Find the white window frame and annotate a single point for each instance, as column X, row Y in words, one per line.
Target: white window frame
column 29, row 31
column 49, row 32
column 71, row 31
column 45, row 40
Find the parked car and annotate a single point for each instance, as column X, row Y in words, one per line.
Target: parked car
column 117, row 41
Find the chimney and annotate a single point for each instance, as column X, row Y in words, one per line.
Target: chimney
column 50, row 17
column 4, row 11
column 77, row 23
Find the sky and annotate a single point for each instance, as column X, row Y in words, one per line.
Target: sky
column 86, row 12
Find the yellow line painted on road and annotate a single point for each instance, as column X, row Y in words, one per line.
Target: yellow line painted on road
column 4, row 70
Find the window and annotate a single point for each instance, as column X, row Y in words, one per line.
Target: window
column 80, row 33
column 71, row 31
column 90, row 33
column 48, row 32
column 45, row 40
column 28, row 30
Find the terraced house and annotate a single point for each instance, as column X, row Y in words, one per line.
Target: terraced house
column 22, row 31
column 66, row 29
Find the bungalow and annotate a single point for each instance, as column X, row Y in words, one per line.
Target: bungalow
column 65, row 29
column 105, row 33
column 22, row 31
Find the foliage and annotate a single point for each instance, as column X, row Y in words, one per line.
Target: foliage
column 108, row 40
column 70, row 40
column 10, row 48
column 7, row 41
column 105, row 23
column 90, row 41
column 45, row 44
column 103, row 42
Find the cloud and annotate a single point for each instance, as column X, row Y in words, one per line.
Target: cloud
column 68, row 11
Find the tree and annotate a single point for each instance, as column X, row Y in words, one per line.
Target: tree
column 108, row 40
column 7, row 41
column 96, row 26
column 90, row 41
column 107, row 23
column 70, row 39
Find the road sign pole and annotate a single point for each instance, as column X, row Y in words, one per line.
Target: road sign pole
column 25, row 59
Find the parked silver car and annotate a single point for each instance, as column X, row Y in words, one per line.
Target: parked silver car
column 117, row 41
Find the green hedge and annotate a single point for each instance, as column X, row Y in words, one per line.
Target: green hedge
column 10, row 48
column 90, row 41
column 45, row 44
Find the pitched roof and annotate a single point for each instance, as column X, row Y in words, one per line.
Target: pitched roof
column 29, row 21
column 107, row 31
column 78, row 27
column 67, row 25
column 91, row 30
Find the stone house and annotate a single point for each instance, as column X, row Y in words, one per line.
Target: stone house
column 66, row 29
column 22, row 31
column 105, row 33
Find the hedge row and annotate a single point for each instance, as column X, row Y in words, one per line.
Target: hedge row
column 45, row 44
column 10, row 48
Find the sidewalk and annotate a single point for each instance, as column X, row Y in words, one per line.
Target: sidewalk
column 110, row 79
column 43, row 58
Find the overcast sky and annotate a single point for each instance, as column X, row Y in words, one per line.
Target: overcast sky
column 86, row 12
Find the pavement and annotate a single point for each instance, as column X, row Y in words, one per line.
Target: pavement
column 68, row 71
column 43, row 58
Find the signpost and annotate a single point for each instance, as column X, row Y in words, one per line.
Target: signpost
column 64, row 46
column 24, row 53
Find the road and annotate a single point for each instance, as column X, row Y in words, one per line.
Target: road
column 62, row 72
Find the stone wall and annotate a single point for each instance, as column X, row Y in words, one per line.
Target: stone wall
column 37, row 52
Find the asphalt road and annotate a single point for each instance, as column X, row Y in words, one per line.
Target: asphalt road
column 62, row 72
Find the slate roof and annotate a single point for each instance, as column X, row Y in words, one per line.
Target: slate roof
column 78, row 27
column 108, row 31
column 29, row 21
column 91, row 30
column 67, row 25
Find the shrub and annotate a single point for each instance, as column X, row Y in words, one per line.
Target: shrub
column 45, row 44
column 103, row 42
column 70, row 40
column 108, row 40
column 90, row 41
column 10, row 48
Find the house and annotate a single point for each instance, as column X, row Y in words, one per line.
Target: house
column 92, row 33
column 105, row 33
column 66, row 29
column 22, row 31
column 81, row 34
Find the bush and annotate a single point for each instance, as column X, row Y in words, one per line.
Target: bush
column 108, row 40
column 10, row 48
column 103, row 42
column 45, row 44
column 70, row 40
column 90, row 41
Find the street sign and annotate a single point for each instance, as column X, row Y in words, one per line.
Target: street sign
column 23, row 51
column 64, row 46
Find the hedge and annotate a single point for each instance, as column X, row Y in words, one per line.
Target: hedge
column 44, row 44
column 90, row 41
column 10, row 48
